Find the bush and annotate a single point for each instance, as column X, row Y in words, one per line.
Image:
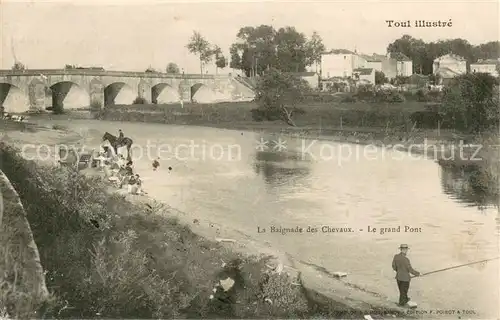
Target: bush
column 348, row 99
column 58, row 108
column 95, row 105
column 140, row 100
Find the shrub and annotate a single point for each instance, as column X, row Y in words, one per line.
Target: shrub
column 95, row 105
column 348, row 99
column 140, row 100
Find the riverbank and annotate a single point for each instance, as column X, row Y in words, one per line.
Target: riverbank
column 96, row 269
column 380, row 124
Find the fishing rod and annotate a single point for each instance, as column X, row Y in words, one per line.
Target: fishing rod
column 454, row 267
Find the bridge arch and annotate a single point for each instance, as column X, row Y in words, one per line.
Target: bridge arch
column 69, row 95
column 119, row 93
column 13, row 99
column 164, row 93
column 195, row 88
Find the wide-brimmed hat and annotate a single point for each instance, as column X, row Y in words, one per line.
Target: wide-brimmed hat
column 404, row 246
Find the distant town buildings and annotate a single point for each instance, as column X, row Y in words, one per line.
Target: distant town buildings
column 364, row 75
column 342, row 63
column 312, row 78
column 404, row 65
column 485, row 66
column 449, row 66
column 338, row 63
column 345, row 67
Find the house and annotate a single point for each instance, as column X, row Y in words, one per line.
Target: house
column 364, row 75
column 449, row 64
column 485, row 66
column 392, row 64
column 374, row 62
column 445, row 74
column 404, row 65
column 312, row 78
column 340, row 63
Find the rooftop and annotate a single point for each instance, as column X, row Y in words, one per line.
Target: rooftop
column 339, row 51
column 487, row 61
column 450, row 56
column 303, row 74
column 399, row 56
column 363, row 71
column 446, row 72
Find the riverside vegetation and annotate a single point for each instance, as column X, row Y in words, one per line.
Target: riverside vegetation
column 106, row 256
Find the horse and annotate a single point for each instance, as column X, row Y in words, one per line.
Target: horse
column 113, row 140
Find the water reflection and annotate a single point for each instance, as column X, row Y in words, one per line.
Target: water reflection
column 471, row 184
column 280, row 168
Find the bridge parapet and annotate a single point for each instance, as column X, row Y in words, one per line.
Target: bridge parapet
column 101, row 73
column 21, row 90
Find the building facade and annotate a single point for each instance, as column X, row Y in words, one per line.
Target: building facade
column 403, row 64
column 312, row 78
column 341, row 63
column 364, row 75
column 485, row 66
column 452, row 62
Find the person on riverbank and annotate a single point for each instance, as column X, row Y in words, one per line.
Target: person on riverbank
column 401, row 264
column 128, row 172
column 156, row 164
column 138, row 184
column 131, row 184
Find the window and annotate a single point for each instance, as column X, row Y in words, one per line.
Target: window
column 345, row 57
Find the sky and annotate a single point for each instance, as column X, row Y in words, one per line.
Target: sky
column 135, row 34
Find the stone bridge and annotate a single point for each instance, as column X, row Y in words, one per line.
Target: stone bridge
column 26, row 90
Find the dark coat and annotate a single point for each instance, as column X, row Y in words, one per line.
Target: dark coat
column 401, row 264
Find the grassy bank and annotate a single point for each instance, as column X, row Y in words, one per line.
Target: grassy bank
column 358, row 114
column 107, row 257
column 369, row 121
column 22, row 282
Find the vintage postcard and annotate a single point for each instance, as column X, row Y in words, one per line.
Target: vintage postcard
column 245, row 159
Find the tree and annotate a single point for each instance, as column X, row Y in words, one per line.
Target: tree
column 220, row 60
column 277, row 95
column 315, row 48
column 172, row 68
column 199, row 46
column 470, row 103
column 380, row 77
column 235, row 62
column 254, row 51
column 69, row 66
column 18, row 66
column 412, row 48
column 291, row 50
column 261, row 48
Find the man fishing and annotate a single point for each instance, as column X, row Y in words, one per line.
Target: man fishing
column 401, row 264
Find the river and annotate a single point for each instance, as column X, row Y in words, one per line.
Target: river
column 253, row 187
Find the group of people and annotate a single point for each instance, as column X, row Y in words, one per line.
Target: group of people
column 7, row 116
column 119, row 171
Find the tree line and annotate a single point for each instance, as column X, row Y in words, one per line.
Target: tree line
column 423, row 53
column 260, row 48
